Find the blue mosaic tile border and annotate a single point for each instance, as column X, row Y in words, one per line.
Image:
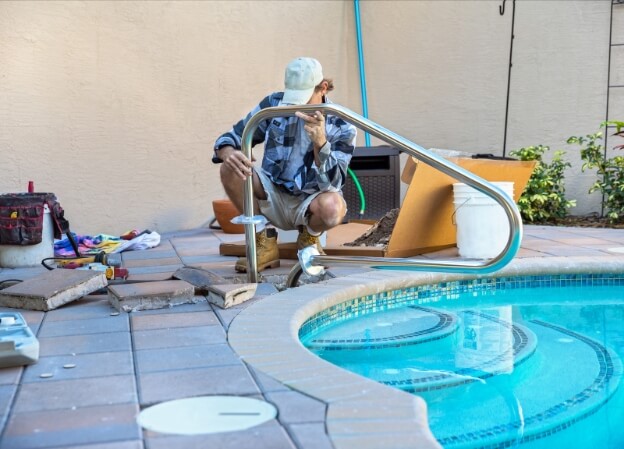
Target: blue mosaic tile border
column 448, row 291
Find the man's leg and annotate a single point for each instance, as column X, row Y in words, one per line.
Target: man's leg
column 267, row 252
column 326, row 211
column 235, row 189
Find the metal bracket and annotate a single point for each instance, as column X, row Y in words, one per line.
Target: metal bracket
column 305, row 259
column 244, row 219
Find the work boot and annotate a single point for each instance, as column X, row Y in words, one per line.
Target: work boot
column 305, row 239
column 267, row 252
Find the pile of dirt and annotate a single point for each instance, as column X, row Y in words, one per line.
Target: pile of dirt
column 379, row 234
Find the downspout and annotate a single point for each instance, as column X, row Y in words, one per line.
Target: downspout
column 358, row 31
column 501, row 10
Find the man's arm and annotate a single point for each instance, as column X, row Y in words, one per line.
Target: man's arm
column 232, row 140
column 332, row 154
column 235, row 160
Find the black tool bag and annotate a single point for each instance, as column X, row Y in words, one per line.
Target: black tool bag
column 22, row 214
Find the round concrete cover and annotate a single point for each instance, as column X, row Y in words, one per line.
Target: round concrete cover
column 208, row 414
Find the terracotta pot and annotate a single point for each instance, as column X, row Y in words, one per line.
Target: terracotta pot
column 224, row 211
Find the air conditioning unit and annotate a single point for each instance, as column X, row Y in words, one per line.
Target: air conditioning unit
column 378, row 172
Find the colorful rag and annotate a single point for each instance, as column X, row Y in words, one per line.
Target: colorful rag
column 87, row 244
column 132, row 240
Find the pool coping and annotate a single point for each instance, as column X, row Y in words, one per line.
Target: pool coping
column 361, row 413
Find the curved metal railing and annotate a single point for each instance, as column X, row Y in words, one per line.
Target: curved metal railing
column 312, row 263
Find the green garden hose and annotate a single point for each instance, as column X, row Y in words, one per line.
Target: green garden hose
column 360, row 191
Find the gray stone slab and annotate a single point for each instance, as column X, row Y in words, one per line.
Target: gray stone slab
column 148, row 254
column 154, row 269
column 52, row 289
column 269, row 435
column 200, row 279
column 229, row 295
column 136, row 444
column 65, row 394
column 69, row 428
column 7, row 393
column 10, row 376
column 266, row 383
column 295, row 407
column 92, row 306
column 172, row 320
column 178, row 337
column 208, row 258
column 266, row 289
column 85, row 344
column 168, row 385
column 152, row 262
column 226, row 316
column 22, row 273
column 84, row 365
column 310, row 436
column 150, row 277
column 88, row 326
column 150, row 295
column 155, row 360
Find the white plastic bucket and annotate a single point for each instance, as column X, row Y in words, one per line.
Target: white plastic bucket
column 482, row 225
column 15, row 256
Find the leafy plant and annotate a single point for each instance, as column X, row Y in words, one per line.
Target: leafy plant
column 543, row 199
column 610, row 171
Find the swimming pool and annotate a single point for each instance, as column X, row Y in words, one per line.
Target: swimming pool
column 530, row 359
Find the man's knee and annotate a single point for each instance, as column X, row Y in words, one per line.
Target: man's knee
column 330, row 208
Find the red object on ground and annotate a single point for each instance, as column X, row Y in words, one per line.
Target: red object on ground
column 31, row 187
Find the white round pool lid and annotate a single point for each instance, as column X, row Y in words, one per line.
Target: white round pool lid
column 206, row 414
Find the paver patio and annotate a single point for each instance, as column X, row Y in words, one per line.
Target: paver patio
column 125, row 362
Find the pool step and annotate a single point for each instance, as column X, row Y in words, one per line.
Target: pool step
column 549, row 400
column 411, row 325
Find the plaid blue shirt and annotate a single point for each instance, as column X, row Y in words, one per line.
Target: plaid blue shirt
column 288, row 151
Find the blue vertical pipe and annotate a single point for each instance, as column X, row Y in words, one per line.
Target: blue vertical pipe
column 358, row 30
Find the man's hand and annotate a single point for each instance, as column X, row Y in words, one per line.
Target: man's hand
column 236, row 161
column 315, row 127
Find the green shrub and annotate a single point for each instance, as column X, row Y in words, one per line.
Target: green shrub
column 610, row 171
column 543, row 199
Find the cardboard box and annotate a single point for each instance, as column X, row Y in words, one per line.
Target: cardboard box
column 425, row 222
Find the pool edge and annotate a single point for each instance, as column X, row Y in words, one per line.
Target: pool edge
column 361, row 413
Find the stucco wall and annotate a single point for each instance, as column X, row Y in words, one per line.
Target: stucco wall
column 114, row 106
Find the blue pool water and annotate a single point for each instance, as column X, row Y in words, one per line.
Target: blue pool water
column 530, row 361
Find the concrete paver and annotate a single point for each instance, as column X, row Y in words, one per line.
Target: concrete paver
column 84, row 344
column 70, row 427
column 52, row 289
column 178, row 337
column 155, row 360
column 150, row 295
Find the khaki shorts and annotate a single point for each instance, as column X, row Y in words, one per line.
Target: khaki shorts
column 283, row 210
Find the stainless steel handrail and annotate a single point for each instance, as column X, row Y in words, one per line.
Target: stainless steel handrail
column 446, row 167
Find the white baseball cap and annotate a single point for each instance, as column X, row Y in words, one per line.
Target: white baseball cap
column 302, row 76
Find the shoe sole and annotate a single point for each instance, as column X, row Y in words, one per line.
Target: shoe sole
column 272, row 264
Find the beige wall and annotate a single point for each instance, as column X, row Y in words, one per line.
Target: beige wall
column 114, row 106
